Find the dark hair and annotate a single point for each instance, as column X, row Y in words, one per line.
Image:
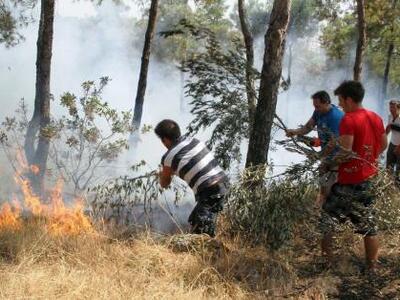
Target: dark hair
column 352, row 89
column 168, row 129
column 395, row 102
column 322, row 96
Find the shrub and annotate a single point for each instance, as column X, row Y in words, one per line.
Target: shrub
column 269, row 211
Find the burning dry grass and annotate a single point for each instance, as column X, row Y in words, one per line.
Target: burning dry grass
column 36, row 264
column 54, row 252
column 48, row 250
column 57, row 217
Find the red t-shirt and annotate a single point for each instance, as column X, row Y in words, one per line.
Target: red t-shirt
column 367, row 129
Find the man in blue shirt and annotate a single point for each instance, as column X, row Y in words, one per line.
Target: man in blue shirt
column 326, row 118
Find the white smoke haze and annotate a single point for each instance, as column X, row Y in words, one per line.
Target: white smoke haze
column 91, row 42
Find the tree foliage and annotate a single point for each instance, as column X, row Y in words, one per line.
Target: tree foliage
column 216, row 85
column 14, row 14
column 271, row 213
column 383, row 28
column 116, row 199
column 83, row 142
column 176, row 47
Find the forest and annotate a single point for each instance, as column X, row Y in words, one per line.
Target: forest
column 184, row 149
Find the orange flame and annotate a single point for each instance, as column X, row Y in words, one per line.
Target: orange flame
column 31, row 201
column 9, row 217
column 65, row 220
column 59, row 219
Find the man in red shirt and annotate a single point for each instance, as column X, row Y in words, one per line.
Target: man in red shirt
column 362, row 137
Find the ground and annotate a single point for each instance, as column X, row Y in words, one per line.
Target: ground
column 94, row 265
column 347, row 278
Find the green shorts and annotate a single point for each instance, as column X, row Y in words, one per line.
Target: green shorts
column 349, row 202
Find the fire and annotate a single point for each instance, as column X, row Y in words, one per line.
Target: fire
column 31, row 201
column 9, row 217
column 59, row 219
column 65, row 220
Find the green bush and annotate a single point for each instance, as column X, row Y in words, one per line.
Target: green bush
column 270, row 211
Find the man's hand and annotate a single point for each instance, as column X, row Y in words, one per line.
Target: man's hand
column 309, row 141
column 323, row 168
column 303, row 130
column 329, row 148
column 165, row 176
column 291, row 132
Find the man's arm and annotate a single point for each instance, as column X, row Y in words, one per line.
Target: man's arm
column 329, row 147
column 302, row 130
column 346, row 142
column 345, row 152
column 384, row 143
column 165, row 176
column 388, row 129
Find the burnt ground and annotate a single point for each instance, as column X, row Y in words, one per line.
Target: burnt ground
column 347, row 277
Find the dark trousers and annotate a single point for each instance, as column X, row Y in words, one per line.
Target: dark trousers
column 393, row 161
column 210, row 202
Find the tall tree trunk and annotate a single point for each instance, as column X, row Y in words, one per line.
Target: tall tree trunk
column 37, row 156
column 385, row 81
column 182, row 103
column 141, row 89
column 387, row 71
column 289, row 79
column 290, row 64
column 362, row 40
column 249, row 44
column 270, row 79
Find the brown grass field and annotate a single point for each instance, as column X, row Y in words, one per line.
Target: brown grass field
column 38, row 265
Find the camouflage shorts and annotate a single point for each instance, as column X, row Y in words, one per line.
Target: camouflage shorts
column 349, row 202
column 204, row 215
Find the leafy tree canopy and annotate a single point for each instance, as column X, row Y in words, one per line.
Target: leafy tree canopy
column 14, row 14
column 383, row 28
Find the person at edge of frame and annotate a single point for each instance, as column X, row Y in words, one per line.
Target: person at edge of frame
column 362, row 138
column 393, row 152
column 192, row 161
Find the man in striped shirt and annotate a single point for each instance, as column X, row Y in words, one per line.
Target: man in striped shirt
column 191, row 160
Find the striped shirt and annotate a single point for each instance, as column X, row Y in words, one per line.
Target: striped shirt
column 191, row 160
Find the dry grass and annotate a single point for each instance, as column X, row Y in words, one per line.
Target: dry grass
column 115, row 265
column 36, row 265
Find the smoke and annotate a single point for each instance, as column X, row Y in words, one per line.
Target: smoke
column 90, row 42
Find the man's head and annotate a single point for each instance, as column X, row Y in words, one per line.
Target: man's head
column 321, row 101
column 394, row 107
column 350, row 94
column 168, row 131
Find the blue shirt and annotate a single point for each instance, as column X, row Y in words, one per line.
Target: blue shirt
column 328, row 124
